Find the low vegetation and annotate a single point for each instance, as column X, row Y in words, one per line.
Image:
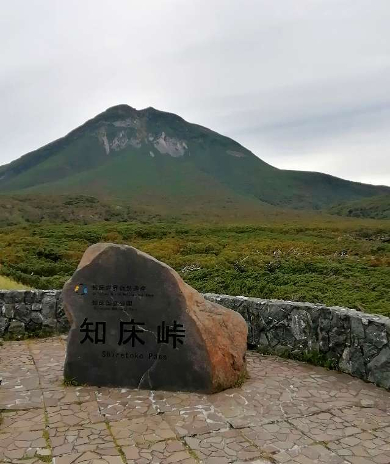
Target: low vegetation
column 9, row 284
column 330, row 262
column 377, row 207
column 57, row 209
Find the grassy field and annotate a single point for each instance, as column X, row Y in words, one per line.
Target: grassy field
column 9, row 284
column 344, row 262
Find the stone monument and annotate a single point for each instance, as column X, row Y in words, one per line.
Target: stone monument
column 135, row 323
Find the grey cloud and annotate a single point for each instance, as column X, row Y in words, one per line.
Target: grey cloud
column 303, row 84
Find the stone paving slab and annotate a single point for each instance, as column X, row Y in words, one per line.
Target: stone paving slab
column 164, row 452
column 277, row 437
column 65, row 395
column 286, row 412
column 189, row 414
column 117, row 404
column 19, row 444
column 77, row 440
column 365, row 448
column 325, row 427
column 140, row 430
column 366, row 418
column 24, row 379
column 74, row 414
column 21, row 399
column 314, row 454
column 33, row 419
column 88, row 457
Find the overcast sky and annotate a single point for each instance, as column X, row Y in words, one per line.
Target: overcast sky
column 304, row 84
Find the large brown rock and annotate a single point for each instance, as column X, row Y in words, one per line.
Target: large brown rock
column 135, row 323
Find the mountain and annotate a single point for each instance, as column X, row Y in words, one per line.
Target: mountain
column 157, row 161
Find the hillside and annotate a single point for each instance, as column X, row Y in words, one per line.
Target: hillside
column 377, row 207
column 56, row 209
column 85, row 209
column 158, row 162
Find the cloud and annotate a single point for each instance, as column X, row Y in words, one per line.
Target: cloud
column 304, row 84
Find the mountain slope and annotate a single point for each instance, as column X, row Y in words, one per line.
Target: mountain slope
column 150, row 158
column 377, row 207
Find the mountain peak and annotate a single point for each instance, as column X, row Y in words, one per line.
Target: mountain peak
column 123, row 111
column 119, row 110
column 121, row 107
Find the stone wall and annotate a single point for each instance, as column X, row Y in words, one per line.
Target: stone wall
column 31, row 312
column 353, row 342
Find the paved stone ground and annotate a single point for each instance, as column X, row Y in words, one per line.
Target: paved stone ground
column 286, row 412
